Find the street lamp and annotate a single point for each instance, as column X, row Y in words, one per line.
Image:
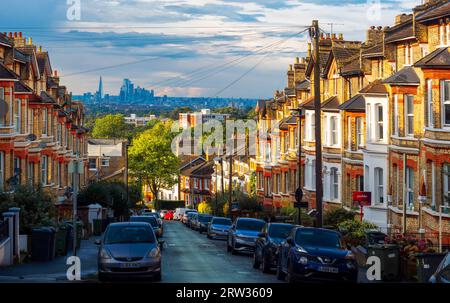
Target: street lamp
column 299, row 192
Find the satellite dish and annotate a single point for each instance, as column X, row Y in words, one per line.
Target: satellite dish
column 31, row 137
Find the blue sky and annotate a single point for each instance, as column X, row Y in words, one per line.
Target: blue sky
column 158, row 44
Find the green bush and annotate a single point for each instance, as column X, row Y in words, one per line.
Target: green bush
column 354, row 231
column 36, row 207
column 333, row 217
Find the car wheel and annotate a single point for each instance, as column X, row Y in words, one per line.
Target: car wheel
column 208, row 236
column 265, row 264
column 102, row 278
column 290, row 273
column 256, row 263
column 228, row 245
column 233, row 251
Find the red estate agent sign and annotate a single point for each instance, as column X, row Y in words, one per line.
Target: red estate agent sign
column 361, row 199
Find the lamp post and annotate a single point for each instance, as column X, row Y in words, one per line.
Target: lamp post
column 299, row 112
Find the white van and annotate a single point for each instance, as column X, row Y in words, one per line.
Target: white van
column 179, row 212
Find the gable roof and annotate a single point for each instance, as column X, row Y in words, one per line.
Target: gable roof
column 289, row 91
column 22, row 88
column 43, row 61
column 356, row 103
column 405, row 76
column 303, row 85
column 331, row 104
column 47, row 98
column 7, row 74
column 375, row 88
column 435, row 11
column 440, row 58
column 400, row 32
column 5, row 40
column 204, row 169
column 376, row 50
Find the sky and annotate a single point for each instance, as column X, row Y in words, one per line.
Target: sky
column 226, row 48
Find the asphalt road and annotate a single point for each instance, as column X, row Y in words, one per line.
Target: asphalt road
column 190, row 257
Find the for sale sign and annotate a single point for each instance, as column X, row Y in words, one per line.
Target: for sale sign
column 362, row 198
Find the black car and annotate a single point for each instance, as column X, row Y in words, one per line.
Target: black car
column 148, row 219
column 442, row 274
column 315, row 254
column 202, row 222
column 242, row 236
column 266, row 249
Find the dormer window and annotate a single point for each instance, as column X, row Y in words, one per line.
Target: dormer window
column 409, row 115
column 380, row 122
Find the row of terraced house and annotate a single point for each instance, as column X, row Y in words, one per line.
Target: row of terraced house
column 385, row 119
column 41, row 127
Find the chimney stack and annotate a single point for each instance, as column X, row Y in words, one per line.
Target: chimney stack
column 30, row 41
column 341, row 36
column 333, row 37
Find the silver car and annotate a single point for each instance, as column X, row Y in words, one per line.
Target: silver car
column 129, row 250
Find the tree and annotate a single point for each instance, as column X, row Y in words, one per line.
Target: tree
column 112, row 127
column 36, row 207
column 151, row 159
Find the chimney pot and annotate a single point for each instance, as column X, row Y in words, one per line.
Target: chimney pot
column 328, row 36
column 56, row 73
column 290, row 67
column 333, row 37
column 10, row 35
column 15, row 34
column 297, row 60
column 20, row 34
column 40, row 48
column 341, row 36
column 30, row 41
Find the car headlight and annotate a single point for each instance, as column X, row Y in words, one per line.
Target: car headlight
column 303, row 260
column 154, row 253
column 104, row 254
column 300, row 250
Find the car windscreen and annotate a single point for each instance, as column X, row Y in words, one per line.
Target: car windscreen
column 250, row 225
column 204, row 219
column 146, row 219
column 221, row 221
column 155, row 215
column 280, row 231
column 318, row 238
column 129, row 234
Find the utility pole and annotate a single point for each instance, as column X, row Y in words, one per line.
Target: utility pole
column 230, row 184
column 299, row 183
column 318, row 135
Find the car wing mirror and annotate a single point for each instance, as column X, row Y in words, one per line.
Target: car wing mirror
column 97, row 242
column 261, row 235
column 289, row 241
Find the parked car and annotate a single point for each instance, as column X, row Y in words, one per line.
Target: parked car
column 179, row 212
column 266, row 249
column 158, row 218
column 168, row 215
column 315, row 253
column 242, row 236
column 162, row 213
column 148, row 219
column 442, row 274
column 192, row 218
column 129, row 250
column 185, row 218
column 202, row 222
column 219, row 228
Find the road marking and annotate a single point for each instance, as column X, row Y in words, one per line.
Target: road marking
column 244, row 272
column 171, row 244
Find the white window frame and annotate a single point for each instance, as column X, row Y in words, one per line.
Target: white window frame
column 445, row 102
column 429, row 100
column 89, row 164
column 349, row 134
column 334, row 184
column 30, row 173
column 379, row 185
column 409, row 114
column 2, row 97
column 44, row 170
column 433, row 184
column 408, row 54
column 396, row 132
column 359, row 133
column 313, row 174
column 369, row 122
column 45, row 121
column 17, row 116
column 442, row 34
column 2, row 171
column 446, row 184
column 380, row 122
column 409, row 187
column 104, row 162
column 313, row 127
column 334, row 131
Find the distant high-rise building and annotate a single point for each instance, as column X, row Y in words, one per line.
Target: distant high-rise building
column 100, row 88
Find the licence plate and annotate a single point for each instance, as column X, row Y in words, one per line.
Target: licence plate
column 328, row 269
column 129, row 265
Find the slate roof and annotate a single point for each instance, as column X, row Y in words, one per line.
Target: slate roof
column 356, row 103
column 331, row 104
column 438, row 11
column 399, row 32
column 47, row 98
column 22, row 88
column 201, row 170
column 5, row 73
column 373, row 51
column 440, row 58
column 352, row 68
column 18, row 55
column 303, row 85
column 289, row 91
column 308, row 104
column 406, row 76
column 376, row 87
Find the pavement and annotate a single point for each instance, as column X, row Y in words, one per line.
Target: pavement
column 55, row 270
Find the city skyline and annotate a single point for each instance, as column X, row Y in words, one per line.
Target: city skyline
column 161, row 44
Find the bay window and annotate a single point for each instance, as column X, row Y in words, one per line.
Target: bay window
column 44, row 170
column 3, row 114
column 2, row 170
column 359, row 133
column 312, row 135
column 410, row 187
column 379, row 186
column 396, row 114
column 17, row 118
column 349, row 133
column 333, row 131
column 45, row 121
column 334, row 181
column 446, row 184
